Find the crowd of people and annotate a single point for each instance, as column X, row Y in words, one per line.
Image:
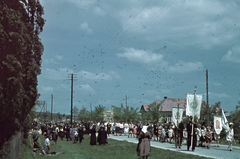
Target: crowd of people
column 193, row 134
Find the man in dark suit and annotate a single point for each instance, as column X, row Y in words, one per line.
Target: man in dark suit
column 191, row 131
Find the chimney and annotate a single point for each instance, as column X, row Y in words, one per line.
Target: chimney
column 165, row 97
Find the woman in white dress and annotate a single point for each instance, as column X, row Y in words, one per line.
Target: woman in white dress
column 230, row 136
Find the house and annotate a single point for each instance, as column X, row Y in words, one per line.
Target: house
column 166, row 106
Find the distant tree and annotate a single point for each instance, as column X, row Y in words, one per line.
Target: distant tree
column 84, row 114
column 59, row 116
column 98, row 113
column 75, row 112
column 153, row 113
column 125, row 114
column 235, row 118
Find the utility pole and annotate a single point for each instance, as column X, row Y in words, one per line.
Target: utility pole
column 51, row 105
column 126, row 110
column 207, row 97
column 46, row 112
column 72, row 97
column 91, row 110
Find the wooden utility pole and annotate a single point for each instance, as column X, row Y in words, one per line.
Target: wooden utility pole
column 126, row 110
column 51, row 105
column 207, row 96
column 71, row 97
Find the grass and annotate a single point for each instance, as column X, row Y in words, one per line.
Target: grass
column 113, row 150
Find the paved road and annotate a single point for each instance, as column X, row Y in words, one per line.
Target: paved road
column 214, row 152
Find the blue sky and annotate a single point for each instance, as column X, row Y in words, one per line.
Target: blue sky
column 143, row 49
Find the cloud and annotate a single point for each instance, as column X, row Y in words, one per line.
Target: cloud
column 154, row 60
column 59, row 57
column 218, row 95
column 194, row 21
column 57, row 74
column 86, row 87
column 99, row 11
column 233, row 55
column 63, row 74
column 97, row 76
column 54, row 61
column 47, row 89
column 140, row 56
column 182, row 67
column 84, row 26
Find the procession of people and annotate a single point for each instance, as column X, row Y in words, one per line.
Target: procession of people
column 194, row 135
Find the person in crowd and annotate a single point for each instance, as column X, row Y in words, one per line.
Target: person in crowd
column 144, row 148
column 47, row 144
column 130, row 132
column 155, row 133
column 203, row 139
column 181, row 128
column 160, row 132
column 54, row 134
column 67, row 131
column 102, row 136
column 36, row 142
column 109, row 128
column 177, row 137
column 215, row 137
column 121, row 129
column 93, row 131
column 230, row 136
column 75, row 133
column 198, row 135
column 139, row 127
column 113, row 128
column 208, row 136
column 170, row 134
column 126, row 128
column 61, row 132
column 191, row 134
column 163, row 135
column 80, row 133
column 134, row 131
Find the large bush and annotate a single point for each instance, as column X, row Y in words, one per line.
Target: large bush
column 20, row 59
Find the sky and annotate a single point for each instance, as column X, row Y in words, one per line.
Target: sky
column 143, row 49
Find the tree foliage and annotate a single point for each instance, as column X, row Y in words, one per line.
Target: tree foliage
column 153, row 113
column 125, row 114
column 97, row 114
column 21, row 23
column 84, row 114
column 235, row 118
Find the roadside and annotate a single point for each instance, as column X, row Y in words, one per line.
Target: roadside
column 220, row 152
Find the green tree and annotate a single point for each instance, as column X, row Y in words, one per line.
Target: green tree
column 84, row 114
column 213, row 110
column 98, row 113
column 234, row 117
column 123, row 114
column 75, row 112
column 21, row 23
column 153, row 113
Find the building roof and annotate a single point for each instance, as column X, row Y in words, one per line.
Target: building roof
column 168, row 103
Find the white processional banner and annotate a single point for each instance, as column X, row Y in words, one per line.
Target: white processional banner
column 177, row 115
column 218, row 124
column 224, row 122
column 193, row 105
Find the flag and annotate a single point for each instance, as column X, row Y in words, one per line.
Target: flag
column 177, row 115
column 193, row 105
column 225, row 122
column 218, row 124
